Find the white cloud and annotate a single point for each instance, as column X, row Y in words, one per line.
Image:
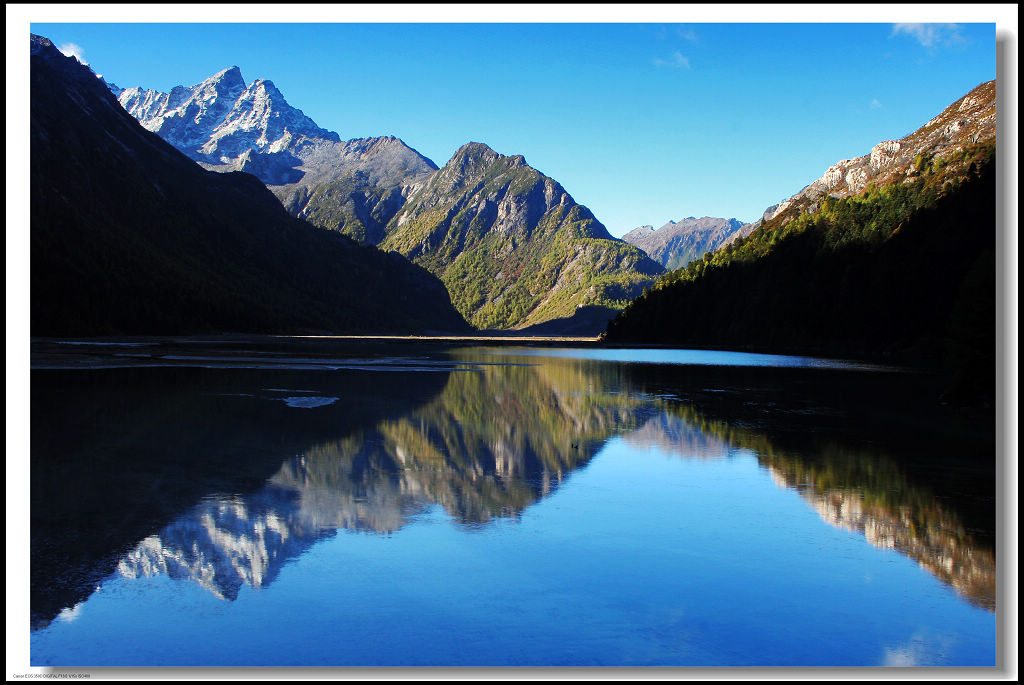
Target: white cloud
column 686, row 34
column 676, row 61
column 875, row 104
column 930, row 35
column 72, row 50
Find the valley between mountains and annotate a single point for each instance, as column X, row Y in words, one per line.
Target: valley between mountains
column 369, row 235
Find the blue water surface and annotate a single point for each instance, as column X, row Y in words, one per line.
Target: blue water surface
column 523, row 516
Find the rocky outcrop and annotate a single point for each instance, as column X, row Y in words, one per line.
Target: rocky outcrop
column 678, row 243
column 944, row 139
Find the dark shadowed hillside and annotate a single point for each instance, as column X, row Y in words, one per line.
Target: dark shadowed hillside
column 902, row 273
column 130, row 236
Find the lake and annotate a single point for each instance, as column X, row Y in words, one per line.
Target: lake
column 311, row 502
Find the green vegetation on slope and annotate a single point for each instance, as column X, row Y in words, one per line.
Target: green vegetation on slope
column 511, row 246
column 351, row 207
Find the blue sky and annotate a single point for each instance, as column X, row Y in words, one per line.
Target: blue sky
column 642, row 123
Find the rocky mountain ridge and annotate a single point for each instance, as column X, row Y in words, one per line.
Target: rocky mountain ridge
column 678, row 243
column 355, row 186
column 224, row 122
column 944, row 140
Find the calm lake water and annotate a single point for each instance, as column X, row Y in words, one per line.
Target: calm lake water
column 275, row 502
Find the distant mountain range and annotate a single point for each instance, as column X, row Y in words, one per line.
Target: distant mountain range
column 129, row 236
column 678, row 243
column 511, row 246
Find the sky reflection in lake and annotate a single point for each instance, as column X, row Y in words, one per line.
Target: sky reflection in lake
column 695, row 357
column 563, row 512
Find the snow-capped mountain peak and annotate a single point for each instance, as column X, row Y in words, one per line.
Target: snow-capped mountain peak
column 219, row 120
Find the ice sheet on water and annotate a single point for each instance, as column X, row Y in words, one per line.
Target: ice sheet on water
column 309, row 402
column 101, row 342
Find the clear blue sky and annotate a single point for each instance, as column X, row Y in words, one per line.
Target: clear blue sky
column 642, row 123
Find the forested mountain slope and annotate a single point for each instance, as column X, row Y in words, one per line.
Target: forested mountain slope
column 903, row 273
column 513, row 247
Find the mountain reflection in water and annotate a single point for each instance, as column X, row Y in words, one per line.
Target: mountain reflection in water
column 496, row 440
column 499, row 438
column 859, row 489
column 119, row 453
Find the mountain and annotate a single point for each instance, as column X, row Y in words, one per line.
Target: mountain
column 678, row 243
column 897, row 264
column 130, row 236
column 354, row 186
column 382, row 192
column 114, row 88
column 225, row 123
column 513, row 247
